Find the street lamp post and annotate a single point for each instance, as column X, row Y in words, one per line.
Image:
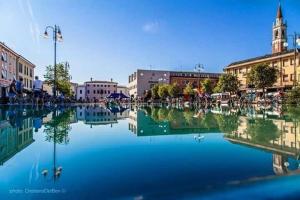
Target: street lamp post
column 296, row 43
column 57, row 37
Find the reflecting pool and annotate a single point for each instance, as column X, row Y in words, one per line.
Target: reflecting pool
column 93, row 152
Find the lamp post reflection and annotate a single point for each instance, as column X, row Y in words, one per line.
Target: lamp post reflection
column 57, row 130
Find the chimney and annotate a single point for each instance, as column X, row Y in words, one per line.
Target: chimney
column 91, row 79
column 111, row 80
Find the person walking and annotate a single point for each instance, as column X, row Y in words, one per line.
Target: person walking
column 12, row 92
column 19, row 89
column 38, row 90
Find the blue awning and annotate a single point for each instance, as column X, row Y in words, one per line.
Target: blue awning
column 117, row 96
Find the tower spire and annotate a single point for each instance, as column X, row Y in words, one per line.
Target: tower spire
column 279, row 11
column 279, row 32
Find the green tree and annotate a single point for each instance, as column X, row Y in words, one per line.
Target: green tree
column 188, row 90
column 207, row 86
column 228, row 83
column 217, row 89
column 293, row 96
column 173, row 90
column 154, row 91
column 262, row 76
column 163, row 91
column 62, row 78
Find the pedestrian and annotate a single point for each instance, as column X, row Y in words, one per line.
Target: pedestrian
column 37, row 89
column 20, row 88
column 12, row 91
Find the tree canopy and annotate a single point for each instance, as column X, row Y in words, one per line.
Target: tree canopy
column 188, row 90
column 227, row 83
column 173, row 90
column 207, row 86
column 262, row 76
column 62, row 78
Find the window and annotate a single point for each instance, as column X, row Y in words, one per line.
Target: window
column 104, row 91
column 30, row 74
column 20, row 68
column 291, row 61
column 285, row 78
column 285, row 63
column 80, row 91
column 30, row 83
column 108, row 91
column 94, row 91
column 88, row 91
column 291, row 77
column 98, row 92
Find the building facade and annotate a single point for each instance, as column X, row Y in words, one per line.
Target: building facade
column 280, row 58
column 94, row 90
column 25, row 69
column 194, row 78
column 99, row 90
column 123, row 89
column 80, row 92
column 143, row 80
column 8, row 63
column 14, row 66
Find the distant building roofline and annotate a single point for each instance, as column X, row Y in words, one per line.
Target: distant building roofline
column 97, row 81
column 259, row 58
column 179, row 71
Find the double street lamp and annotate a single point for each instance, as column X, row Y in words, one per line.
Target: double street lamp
column 57, row 37
column 296, row 43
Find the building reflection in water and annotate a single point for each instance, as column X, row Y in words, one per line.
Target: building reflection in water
column 98, row 115
column 270, row 131
column 16, row 132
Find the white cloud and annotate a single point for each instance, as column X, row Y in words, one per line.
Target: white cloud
column 151, row 27
column 34, row 28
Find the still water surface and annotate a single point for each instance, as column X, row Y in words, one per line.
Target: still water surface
column 92, row 152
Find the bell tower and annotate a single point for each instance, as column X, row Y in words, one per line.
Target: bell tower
column 279, row 33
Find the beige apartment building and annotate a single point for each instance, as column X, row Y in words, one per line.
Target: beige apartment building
column 25, row 69
column 8, row 63
column 280, row 58
column 13, row 66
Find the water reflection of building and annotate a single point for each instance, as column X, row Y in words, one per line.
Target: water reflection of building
column 162, row 121
column 96, row 115
column 287, row 141
column 285, row 144
column 13, row 139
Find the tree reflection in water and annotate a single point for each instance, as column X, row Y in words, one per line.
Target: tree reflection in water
column 267, row 130
column 58, row 128
column 262, row 130
column 57, row 131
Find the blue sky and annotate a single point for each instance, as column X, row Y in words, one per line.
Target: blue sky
column 107, row 39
